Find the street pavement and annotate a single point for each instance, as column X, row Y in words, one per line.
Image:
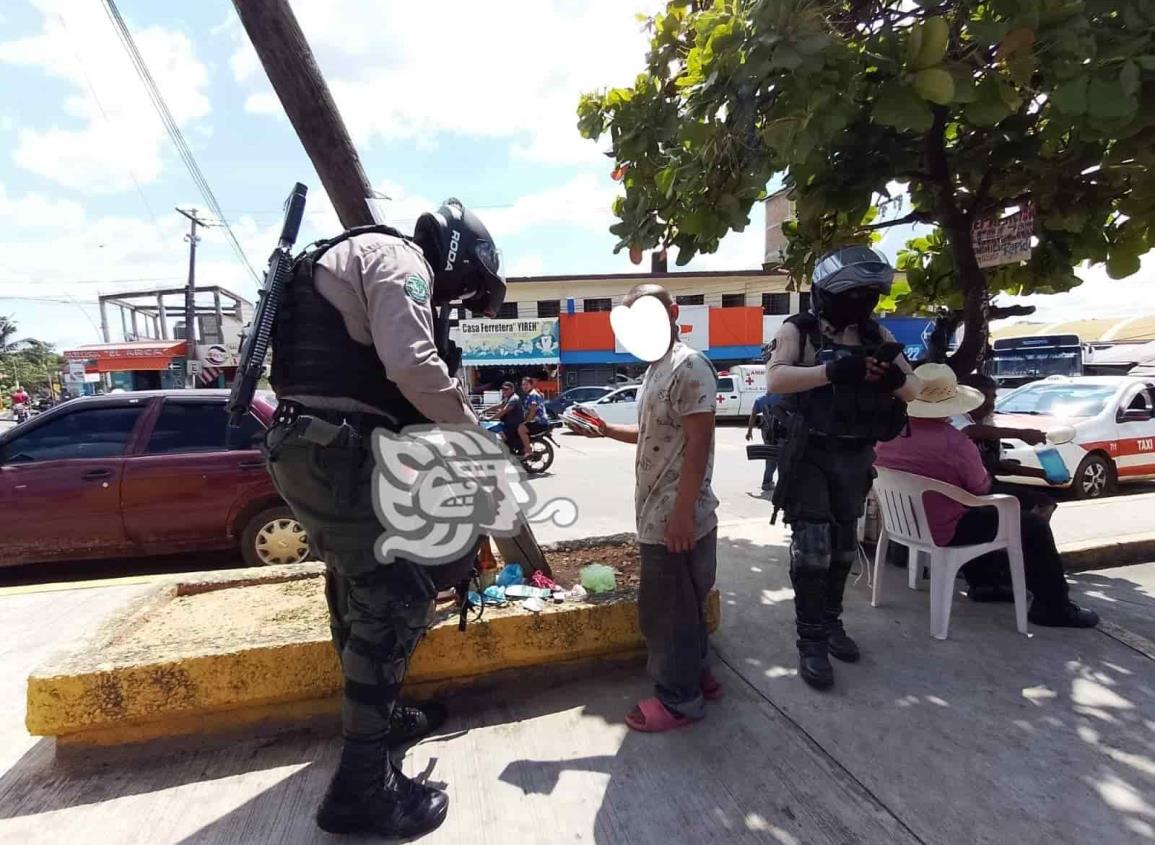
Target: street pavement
column 987, row 737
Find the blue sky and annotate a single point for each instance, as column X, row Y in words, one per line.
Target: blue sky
column 475, row 101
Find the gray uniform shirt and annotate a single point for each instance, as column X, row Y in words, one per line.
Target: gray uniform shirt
column 381, row 286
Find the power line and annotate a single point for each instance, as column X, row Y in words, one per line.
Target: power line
column 174, row 132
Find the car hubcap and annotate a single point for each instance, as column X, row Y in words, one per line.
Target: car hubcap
column 282, row 541
column 1095, row 479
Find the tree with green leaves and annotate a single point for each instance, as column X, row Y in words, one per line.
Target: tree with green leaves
column 974, row 107
column 29, row 361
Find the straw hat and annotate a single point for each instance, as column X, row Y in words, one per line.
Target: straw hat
column 941, row 396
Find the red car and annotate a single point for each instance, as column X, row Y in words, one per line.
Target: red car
column 149, row 473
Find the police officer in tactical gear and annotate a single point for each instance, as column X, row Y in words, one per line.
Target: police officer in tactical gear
column 846, row 384
column 361, row 343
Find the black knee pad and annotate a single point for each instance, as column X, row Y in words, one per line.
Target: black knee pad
column 846, row 539
column 810, row 547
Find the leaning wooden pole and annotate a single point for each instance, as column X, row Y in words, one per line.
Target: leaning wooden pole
column 289, row 63
column 293, row 72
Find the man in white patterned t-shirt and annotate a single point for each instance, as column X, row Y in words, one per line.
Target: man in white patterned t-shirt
column 677, row 526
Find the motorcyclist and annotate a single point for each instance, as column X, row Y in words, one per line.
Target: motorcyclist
column 358, row 346
column 845, row 383
column 511, row 413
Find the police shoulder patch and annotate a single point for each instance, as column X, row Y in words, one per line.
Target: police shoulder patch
column 417, row 289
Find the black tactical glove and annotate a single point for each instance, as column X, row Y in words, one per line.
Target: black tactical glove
column 848, row 370
column 892, row 379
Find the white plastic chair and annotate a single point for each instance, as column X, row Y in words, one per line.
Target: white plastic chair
column 900, row 498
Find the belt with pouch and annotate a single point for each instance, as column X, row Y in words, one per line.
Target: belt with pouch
column 328, row 427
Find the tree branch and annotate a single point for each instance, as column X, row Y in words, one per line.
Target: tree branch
column 913, row 217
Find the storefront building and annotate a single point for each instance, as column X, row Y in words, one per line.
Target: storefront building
column 135, row 365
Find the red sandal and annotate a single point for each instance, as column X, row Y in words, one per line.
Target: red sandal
column 711, row 687
column 651, row 716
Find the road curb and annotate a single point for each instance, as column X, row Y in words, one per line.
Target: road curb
column 86, row 698
column 1102, row 554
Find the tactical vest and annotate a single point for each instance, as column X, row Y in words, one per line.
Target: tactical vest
column 313, row 354
column 858, row 411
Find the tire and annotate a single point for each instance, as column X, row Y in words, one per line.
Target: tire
column 273, row 537
column 542, row 458
column 1094, row 479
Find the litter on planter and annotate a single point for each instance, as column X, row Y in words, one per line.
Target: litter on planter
column 510, row 574
column 520, row 591
column 598, row 578
column 533, row 605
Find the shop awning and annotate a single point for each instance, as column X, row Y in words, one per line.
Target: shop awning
column 126, row 357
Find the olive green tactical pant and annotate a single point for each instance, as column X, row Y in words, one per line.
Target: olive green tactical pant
column 377, row 613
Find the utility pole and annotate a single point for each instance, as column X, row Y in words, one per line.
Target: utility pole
column 190, row 298
column 293, row 71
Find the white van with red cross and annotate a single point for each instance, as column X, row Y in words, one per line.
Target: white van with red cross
column 738, row 387
column 1113, row 418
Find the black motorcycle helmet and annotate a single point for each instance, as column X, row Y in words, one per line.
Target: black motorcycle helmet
column 847, row 283
column 464, row 259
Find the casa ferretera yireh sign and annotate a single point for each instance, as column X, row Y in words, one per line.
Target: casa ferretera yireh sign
column 1005, row 240
column 496, row 342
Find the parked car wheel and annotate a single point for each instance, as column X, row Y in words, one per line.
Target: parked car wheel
column 273, row 537
column 1094, row 478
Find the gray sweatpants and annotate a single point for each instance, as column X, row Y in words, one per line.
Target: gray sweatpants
column 672, row 617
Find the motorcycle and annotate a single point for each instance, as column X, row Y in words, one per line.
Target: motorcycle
column 541, row 444
column 20, row 412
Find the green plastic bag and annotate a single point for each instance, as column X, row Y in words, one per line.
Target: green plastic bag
column 598, row 578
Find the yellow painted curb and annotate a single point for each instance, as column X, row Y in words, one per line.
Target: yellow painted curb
column 83, row 701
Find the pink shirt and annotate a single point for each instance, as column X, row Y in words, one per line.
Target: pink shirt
column 938, row 450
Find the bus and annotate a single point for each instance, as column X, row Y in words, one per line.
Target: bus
column 1016, row 361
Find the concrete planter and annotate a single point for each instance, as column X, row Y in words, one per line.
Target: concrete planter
column 120, row 688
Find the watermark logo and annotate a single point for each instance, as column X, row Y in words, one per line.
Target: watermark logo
column 437, row 489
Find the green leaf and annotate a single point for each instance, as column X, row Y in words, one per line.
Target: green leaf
column 664, row 181
column 990, row 105
column 935, row 84
column 899, row 106
column 731, row 208
column 1106, row 98
column 1129, row 79
column 1070, row 97
column 811, row 44
column 964, row 85
column 785, row 56
column 988, row 32
column 1122, row 263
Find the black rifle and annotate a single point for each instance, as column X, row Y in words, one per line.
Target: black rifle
column 789, row 456
column 256, row 343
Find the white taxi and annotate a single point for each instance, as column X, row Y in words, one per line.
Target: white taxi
column 1113, row 419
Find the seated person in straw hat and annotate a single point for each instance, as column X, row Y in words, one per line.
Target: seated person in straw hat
column 932, row 447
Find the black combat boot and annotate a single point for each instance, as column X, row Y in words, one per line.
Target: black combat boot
column 411, row 722
column 813, row 661
column 809, row 577
column 368, row 794
column 838, row 642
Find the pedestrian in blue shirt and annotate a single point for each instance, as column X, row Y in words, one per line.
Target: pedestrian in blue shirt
column 762, row 406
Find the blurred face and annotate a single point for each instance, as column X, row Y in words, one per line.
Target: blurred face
column 527, row 384
column 506, row 392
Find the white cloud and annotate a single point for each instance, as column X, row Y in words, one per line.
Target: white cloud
column 398, row 72
column 582, row 203
column 115, row 134
column 526, row 265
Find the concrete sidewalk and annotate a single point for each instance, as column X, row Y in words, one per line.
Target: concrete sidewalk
column 988, row 737
column 1106, row 532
